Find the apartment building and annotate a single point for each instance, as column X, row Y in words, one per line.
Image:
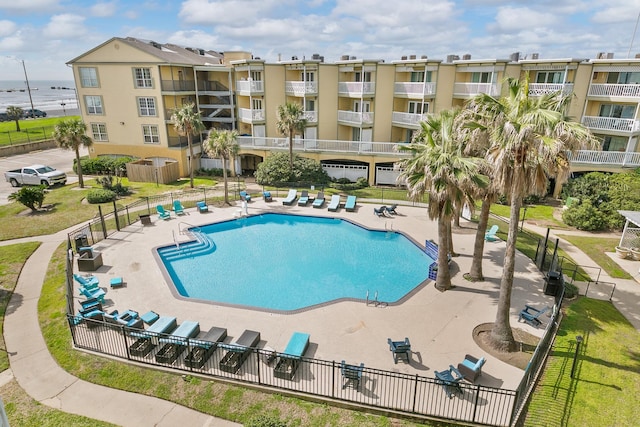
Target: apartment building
column 357, row 110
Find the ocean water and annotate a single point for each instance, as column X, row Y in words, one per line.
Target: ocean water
column 47, row 95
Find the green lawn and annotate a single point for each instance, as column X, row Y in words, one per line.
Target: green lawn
column 596, row 248
column 30, row 130
column 541, row 214
column 606, row 383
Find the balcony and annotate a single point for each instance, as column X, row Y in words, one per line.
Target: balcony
column 356, row 89
column 300, row 88
column 606, row 158
column 181, row 141
column 249, row 87
column 611, row 124
column 352, row 118
column 321, row 145
column 468, row 90
column 414, row 90
column 178, row 86
column 212, row 87
column 614, row 90
column 539, row 89
column 408, row 120
column 248, row 115
column 311, row 116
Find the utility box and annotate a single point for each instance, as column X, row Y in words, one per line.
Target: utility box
column 553, row 283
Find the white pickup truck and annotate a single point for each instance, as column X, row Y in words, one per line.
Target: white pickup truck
column 35, row 175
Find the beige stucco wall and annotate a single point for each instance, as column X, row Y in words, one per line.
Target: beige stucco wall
column 385, row 79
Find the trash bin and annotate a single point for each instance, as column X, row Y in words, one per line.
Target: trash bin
column 553, row 283
column 81, row 241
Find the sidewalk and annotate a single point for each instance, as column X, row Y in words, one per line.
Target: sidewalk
column 45, row 381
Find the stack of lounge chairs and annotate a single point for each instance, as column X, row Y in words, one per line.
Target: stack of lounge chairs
column 290, row 358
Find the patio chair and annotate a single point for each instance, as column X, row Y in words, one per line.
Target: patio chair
column 148, row 339
column 490, row 236
column 86, row 281
column 290, row 359
column 178, row 208
column 471, row 368
column 266, row 195
column 162, row 213
column 350, row 204
column 530, row 315
column 202, row 207
column 291, row 197
column 450, row 381
column 400, row 349
column 238, row 352
column 391, row 210
column 176, row 342
column 203, row 347
column 334, row 203
column 319, row 201
column 245, row 196
column 93, row 293
column 379, row 211
column 352, row 374
column 304, row 198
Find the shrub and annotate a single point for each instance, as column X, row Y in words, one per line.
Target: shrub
column 105, row 165
column 100, row 195
column 585, row 216
column 31, row 197
column 570, row 290
column 265, row 421
column 275, row 171
column 345, row 185
column 118, row 188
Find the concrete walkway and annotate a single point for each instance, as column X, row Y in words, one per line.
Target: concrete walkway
column 39, row 375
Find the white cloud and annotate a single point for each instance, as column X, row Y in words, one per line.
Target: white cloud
column 514, row 19
column 234, row 13
column 104, row 10
column 65, row 26
column 12, row 43
column 194, row 38
column 7, row 28
column 28, row 6
column 131, row 14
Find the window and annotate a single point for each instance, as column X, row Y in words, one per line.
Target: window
column 624, row 78
column 618, row 111
column 88, row 77
column 483, row 77
column 94, row 104
column 363, row 76
column 256, row 104
column 417, row 76
column 147, row 106
column 99, row 131
column 308, row 76
column 614, row 143
column 550, row 77
column 150, row 134
column 309, row 105
column 256, row 76
column 355, row 134
column 142, row 77
column 416, row 107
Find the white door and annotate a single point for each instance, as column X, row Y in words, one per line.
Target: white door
column 259, row 132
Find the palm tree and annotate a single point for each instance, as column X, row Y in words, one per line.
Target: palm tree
column 529, row 139
column 71, row 134
column 222, row 144
column 186, row 120
column 439, row 168
column 290, row 121
column 15, row 114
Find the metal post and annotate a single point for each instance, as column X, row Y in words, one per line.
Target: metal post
column 28, row 88
column 575, row 356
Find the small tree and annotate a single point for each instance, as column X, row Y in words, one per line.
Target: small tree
column 187, row 122
column 31, row 197
column 275, row 170
column 70, row 134
column 224, row 145
column 15, row 114
column 290, row 121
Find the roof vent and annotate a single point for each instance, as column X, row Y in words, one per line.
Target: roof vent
column 451, row 58
column 321, row 58
column 315, row 56
column 514, row 57
column 156, row 45
column 423, row 57
column 344, row 58
column 535, row 55
column 412, row 57
column 466, row 56
column 294, row 58
column 601, row 55
column 352, row 58
column 610, row 55
column 403, row 58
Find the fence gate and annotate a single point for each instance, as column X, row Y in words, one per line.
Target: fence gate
column 351, row 172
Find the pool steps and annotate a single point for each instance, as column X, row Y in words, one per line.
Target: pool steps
column 202, row 245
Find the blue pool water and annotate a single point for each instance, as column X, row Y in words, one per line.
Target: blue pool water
column 289, row 262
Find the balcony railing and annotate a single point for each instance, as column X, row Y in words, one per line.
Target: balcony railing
column 414, row 90
column 178, row 85
column 356, row 88
column 322, row 145
column 611, row 123
column 408, row 119
column 211, row 86
column 610, row 158
column 248, row 115
column 351, row 117
column 181, row 141
column 249, row 86
column 311, row 116
column 300, row 88
column 539, row 89
column 624, row 91
column 471, row 89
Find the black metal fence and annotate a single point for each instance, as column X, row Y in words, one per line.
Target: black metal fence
column 410, row 394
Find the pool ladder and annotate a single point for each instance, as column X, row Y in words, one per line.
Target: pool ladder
column 185, row 231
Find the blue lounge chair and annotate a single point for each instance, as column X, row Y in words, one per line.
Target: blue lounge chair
column 94, row 293
column 239, row 351
column 379, row 211
column 304, row 198
column 291, row 197
column 178, row 208
column 129, row 319
column 202, row 207
column 334, row 204
column 245, row 196
column 266, row 195
column 400, row 349
column 290, row 358
column 203, row 348
column 530, row 315
column 352, row 374
column 391, row 210
column 450, row 380
column 490, row 236
column 176, row 342
column 319, row 201
column 162, row 213
column 471, row 368
column 350, row 204
column 88, row 282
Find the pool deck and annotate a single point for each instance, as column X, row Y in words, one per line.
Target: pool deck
column 439, row 324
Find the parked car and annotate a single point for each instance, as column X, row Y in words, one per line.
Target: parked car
column 35, row 175
column 34, row 113
column 4, row 117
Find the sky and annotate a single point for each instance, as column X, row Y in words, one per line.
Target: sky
column 46, row 34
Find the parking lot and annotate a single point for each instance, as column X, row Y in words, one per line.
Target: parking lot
column 56, row 158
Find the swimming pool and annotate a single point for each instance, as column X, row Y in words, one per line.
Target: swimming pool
column 281, row 262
